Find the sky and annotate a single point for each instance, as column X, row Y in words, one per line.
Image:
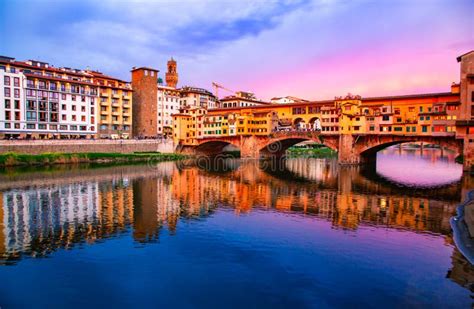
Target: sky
column 314, row 49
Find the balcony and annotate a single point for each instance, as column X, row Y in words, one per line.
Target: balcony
column 104, row 103
column 126, row 97
column 115, row 95
column 104, row 94
column 115, row 104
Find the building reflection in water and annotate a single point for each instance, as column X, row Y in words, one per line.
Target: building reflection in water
column 39, row 215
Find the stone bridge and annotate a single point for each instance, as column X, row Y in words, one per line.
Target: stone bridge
column 351, row 148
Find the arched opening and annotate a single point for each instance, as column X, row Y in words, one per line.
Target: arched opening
column 315, row 124
column 368, row 155
column 299, row 124
column 414, row 163
column 213, row 148
column 297, row 147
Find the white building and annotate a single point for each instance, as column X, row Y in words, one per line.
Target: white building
column 40, row 101
column 197, row 97
column 168, row 104
column 241, row 99
column 286, row 100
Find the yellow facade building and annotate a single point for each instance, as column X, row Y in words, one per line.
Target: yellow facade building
column 115, row 107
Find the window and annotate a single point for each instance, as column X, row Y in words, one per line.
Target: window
column 7, row 103
column 74, row 128
column 63, row 117
column 17, row 104
column 7, row 126
column 422, row 118
column 73, row 97
column 16, row 82
column 31, row 126
column 7, row 92
column 63, row 96
column 16, row 92
column 6, row 81
column 31, row 116
column 299, row 110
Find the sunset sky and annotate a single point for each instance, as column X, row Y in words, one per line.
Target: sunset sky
column 315, row 49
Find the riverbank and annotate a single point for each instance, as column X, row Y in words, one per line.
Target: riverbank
column 15, row 159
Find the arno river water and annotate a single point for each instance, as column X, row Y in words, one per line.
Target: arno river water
column 298, row 233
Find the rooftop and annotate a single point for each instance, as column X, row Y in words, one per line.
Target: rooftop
column 144, row 68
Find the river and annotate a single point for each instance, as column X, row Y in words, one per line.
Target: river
column 236, row 233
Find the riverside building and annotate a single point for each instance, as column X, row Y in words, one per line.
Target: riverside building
column 114, row 106
column 40, row 101
column 241, row 99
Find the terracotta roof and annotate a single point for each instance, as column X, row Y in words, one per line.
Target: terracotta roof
column 102, row 75
column 60, row 79
column 410, row 96
column 460, row 57
column 144, row 68
column 234, row 98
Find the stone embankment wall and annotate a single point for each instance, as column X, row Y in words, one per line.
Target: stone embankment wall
column 82, row 146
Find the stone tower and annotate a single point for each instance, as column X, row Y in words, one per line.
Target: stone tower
column 144, row 102
column 172, row 74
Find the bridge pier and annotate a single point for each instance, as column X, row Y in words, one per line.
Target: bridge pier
column 249, row 147
column 468, row 155
column 347, row 152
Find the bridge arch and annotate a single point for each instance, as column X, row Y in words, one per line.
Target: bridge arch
column 278, row 145
column 368, row 150
column 214, row 147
